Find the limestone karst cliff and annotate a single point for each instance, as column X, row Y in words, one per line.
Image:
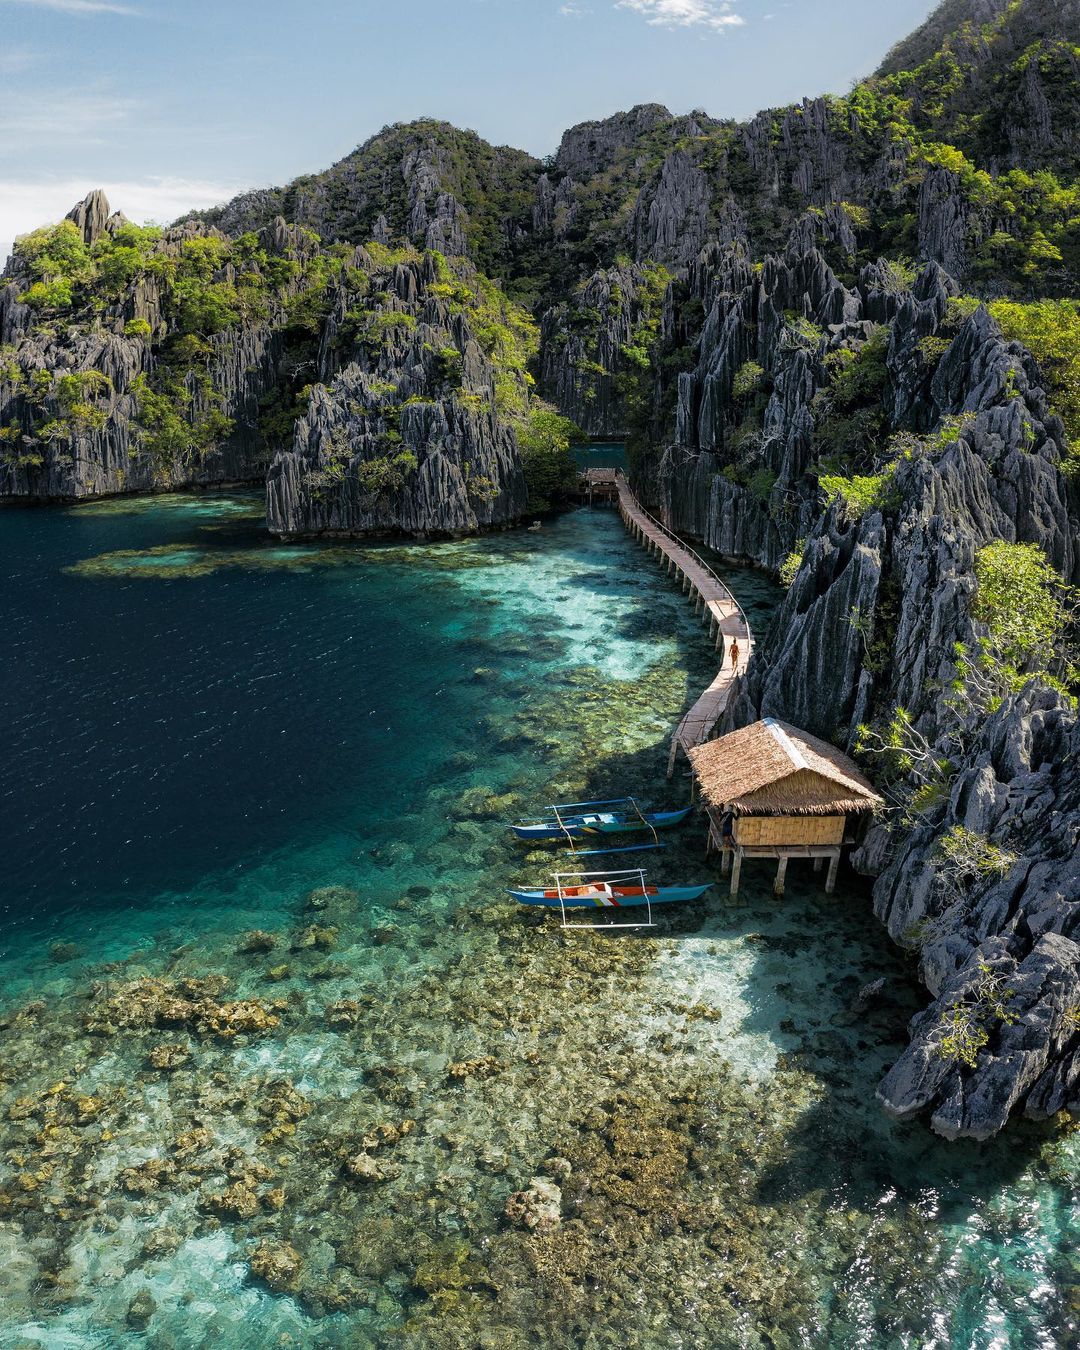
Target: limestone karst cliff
column 378, row 387
column 137, row 359
column 410, row 424
column 927, row 160
column 879, row 616
column 841, row 341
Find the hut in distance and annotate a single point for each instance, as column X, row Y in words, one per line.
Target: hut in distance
column 773, row 791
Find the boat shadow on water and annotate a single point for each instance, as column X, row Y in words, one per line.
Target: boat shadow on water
column 785, row 991
column 823, row 979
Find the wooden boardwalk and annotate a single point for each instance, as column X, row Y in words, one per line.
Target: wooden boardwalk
column 712, row 600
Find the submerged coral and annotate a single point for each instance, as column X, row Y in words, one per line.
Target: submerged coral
column 360, row 1097
column 413, row 1200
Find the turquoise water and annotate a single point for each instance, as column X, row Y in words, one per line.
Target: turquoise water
column 601, row 455
column 255, row 929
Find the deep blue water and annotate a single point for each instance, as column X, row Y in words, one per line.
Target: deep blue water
column 196, row 711
column 160, row 730
column 200, row 725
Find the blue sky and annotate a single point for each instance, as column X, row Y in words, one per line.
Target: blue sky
column 170, row 104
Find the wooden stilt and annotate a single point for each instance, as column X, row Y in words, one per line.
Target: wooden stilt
column 781, row 873
column 834, row 867
column 735, row 871
column 725, row 861
column 819, row 863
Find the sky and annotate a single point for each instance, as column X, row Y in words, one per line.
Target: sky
column 175, row 104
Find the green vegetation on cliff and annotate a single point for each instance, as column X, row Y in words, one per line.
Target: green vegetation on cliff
column 545, row 439
column 960, row 146
column 187, row 289
column 1050, row 330
column 366, row 190
column 194, row 295
column 975, row 103
column 1028, row 614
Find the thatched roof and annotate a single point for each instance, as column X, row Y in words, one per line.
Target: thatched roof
column 773, row 769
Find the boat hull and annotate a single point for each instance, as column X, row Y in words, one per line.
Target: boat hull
column 628, row 897
column 576, row 827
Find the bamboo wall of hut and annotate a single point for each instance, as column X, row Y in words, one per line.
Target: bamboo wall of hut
column 755, row 831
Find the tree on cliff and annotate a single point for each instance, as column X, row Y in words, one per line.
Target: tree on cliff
column 545, row 438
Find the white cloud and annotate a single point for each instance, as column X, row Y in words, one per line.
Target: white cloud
column 714, row 14
column 51, row 117
column 78, row 6
column 26, row 205
column 572, row 10
column 15, row 59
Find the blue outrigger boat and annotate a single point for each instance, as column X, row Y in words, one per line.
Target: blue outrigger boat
column 584, row 820
column 605, row 895
column 606, row 890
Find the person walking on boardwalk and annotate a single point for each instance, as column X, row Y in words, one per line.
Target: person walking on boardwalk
column 735, row 654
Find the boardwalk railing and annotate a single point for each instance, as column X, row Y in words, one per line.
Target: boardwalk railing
column 718, row 608
column 684, row 547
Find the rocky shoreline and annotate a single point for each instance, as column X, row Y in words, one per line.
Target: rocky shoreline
column 905, row 573
column 797, row 391
column 387, row 1189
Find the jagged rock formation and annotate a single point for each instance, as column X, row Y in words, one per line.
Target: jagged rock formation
column 996, row 80
column 82, row 407
column 743, row 416
column 1022, row 91
column 428, row 182
column 137, row 360
column 93, row 218
column 402, row 433
column 872, row 621
column 738, row 300
column 1016, row 787
column 593, row 345
column 814, row 361
column 998, row 479
column 591, row 148
column 92, row 459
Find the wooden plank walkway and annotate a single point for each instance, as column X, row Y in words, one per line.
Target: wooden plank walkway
column 712, row 600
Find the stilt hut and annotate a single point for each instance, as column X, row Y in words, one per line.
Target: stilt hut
column 598, row 485
column 773, row 791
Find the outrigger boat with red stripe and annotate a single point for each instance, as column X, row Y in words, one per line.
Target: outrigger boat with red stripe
column 604, row 895
column 607, row 890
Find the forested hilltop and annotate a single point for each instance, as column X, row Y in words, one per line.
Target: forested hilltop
column 959, row 150
column 843, row 341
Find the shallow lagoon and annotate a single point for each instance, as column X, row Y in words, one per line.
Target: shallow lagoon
column 209, row 733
